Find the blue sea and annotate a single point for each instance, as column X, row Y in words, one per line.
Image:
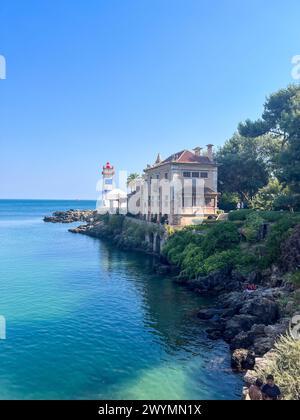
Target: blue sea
column 87, row 321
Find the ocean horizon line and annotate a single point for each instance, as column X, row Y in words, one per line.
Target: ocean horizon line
column 48, row 199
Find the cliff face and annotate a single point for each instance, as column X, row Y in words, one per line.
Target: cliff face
column 126, row 232
column 290, row 251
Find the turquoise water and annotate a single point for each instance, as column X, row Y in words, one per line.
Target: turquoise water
column 85, row 320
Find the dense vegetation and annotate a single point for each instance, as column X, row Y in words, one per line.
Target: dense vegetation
column 250, row 240
column 203, row 251
column 260, row 164
column 260, row 168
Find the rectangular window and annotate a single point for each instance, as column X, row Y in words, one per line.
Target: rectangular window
column 195, row 174
column 194, row 193
column 204, row 174
column 166, row 175
column 186, row 174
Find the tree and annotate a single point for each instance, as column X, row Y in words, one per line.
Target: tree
column 266, row 196
column 281, row 119
column 228, row 201
column 244, row 166
column 275, row 118
column 131, row 181
column 287, row 201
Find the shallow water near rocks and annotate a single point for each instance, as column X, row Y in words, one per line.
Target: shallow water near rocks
column 87, row 321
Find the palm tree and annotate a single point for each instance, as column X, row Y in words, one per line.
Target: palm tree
column 131, row 180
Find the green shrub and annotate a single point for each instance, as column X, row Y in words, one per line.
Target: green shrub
column 177, row 243
column 192, row 262
column 246, row 262
column 224, row 260
column 279, row 232
column 268, row 216
column 287, row 201
column 189, row 250
column 228, row 201
column 285, row 366
column 239, row 214
column 252, row 226
column 295, row 279
column 135, row 232
column 265, row 197
column 271, row 216
column 115, row 222
column 220, row 237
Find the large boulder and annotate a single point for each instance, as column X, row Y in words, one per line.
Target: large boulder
column 263, row 344
column 264, row 309
column 237, row 324
column 260, row 338
column 244, row 339
column 242, row 359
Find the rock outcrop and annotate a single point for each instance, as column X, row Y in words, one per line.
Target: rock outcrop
column 71, row 216
column 242, row 359
column 217, row 282
column 247, row 320
column 290, row 251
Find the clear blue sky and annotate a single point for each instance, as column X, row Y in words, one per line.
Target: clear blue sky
column 119, row 80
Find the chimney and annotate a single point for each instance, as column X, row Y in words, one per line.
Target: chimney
column 197, row 151
column 210, row 151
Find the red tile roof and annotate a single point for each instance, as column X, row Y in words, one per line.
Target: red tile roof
column 185, row 156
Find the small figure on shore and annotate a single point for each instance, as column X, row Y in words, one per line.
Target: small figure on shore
column 255, row 390
column 250, row 287
column 270, row 390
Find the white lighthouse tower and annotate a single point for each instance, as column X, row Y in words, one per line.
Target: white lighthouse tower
column 108, row 183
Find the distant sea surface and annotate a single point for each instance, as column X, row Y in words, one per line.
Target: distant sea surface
column 87, row 321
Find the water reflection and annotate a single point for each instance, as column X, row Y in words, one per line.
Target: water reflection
column 169, row 310
column 188, row 363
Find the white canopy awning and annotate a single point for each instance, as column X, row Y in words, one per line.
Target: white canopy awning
column 116, row 194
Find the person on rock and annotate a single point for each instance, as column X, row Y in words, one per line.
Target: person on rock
column 270, row 390
column 255, row 390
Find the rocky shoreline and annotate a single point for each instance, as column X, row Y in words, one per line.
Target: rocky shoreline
column 250, row 321
column 244, row 319
column 71, row 216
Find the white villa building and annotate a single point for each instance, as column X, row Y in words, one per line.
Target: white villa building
column 178, row 190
